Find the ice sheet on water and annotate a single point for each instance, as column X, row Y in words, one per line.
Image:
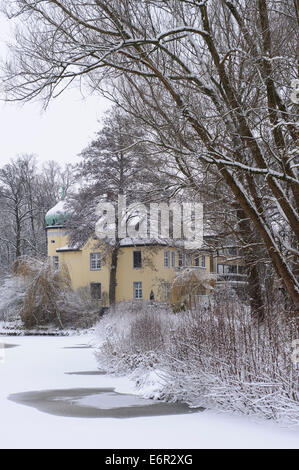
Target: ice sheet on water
column 96, row 403
column 111, row 400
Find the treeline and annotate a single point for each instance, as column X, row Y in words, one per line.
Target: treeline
column 27, row 192
column 211, row 83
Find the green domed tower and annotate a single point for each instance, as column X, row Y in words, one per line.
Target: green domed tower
column 57, row 216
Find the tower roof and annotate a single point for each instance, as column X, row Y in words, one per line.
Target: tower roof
column 57, row 215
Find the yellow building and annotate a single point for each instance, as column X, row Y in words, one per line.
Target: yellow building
column 145, row 270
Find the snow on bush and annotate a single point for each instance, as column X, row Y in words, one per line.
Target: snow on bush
column 131, row 335
column 213, row 357
column 218, row 358
column 40, row 295
column 11, row 297
column 186, row 286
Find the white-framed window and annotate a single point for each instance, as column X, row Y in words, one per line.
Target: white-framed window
column 233, row 269
column 166, row 290
column 56, row 262
column 227, row 269
column 96, row 290
column 188, row 259
column 137, row 259
column 137, row 290
column 181, row 259
column 95, row 261
column 220, row 268
column 166, row 259
column 173, row 259
column 200, row 260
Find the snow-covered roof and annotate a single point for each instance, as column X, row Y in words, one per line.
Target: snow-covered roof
column 59, row 208
column 128, row 241
column 69, row 248
column 57, row 215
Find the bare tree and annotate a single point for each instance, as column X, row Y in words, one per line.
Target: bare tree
column 25, row 197
column 116, row 163
column 218, row 72
column 16, row 193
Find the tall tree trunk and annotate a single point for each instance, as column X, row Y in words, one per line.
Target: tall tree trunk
column 278, row 261
column 253, row 274
column 18, row 234
column 113, row 270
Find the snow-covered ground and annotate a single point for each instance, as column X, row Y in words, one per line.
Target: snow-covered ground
column 48, row 363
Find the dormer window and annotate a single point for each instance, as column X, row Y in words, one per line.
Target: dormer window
column 95, row 261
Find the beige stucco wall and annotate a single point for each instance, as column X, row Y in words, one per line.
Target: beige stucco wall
column 58, row 236
column 153, row 274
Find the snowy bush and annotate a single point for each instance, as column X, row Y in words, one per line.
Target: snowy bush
column 131, row 335
column 40, row 295
column 218, row 358
column 187, row 285
column 214, row 357
column 11, row 296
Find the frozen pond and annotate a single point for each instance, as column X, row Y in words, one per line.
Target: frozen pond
column 96, row 403
column 52, row 395
column 92, row 402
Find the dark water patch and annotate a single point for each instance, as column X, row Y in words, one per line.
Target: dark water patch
column 8, row 345
column 87, row 372
column 96, row 403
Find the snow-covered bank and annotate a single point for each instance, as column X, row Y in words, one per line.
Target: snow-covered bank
column 41, row 364
column 16, row 328
column 215, row 358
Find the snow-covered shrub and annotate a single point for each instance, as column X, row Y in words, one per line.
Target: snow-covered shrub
column 218, row 358
column 43, row 288
column 40, row 295
column 187, row 285
column 11, row 296
column 77, row 308
column 214, row 357
column 131, row 335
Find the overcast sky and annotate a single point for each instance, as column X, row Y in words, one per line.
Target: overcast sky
column 59, row 133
